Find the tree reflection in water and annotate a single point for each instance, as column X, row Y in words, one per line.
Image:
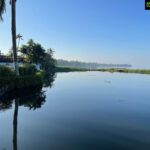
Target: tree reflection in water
column 15, row 124
column 32, row 98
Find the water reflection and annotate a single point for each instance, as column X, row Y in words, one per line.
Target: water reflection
column 32, row 98
column 49, row 79
column 15, row 124
column 81, row 112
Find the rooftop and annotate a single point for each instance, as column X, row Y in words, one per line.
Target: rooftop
column 9, row 59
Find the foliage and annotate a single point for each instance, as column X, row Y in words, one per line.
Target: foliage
column 69, row 69
column 112, row 70
column 33, row 52
column 27, row 69
column 24, row 70
column 2, row 8
column 139, row 71
column 21, row 81
column 49, row 63
column 28, row 77
column 6, row 72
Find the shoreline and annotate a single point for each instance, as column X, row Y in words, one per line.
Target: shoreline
column 111, row 70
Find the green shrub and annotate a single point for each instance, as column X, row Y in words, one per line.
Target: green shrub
column 21, row 81
column 27, row 69
column 6, row 72
column 69, row 69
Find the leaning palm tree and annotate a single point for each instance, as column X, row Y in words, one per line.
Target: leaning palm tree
column 13, row 28
column 2, row 8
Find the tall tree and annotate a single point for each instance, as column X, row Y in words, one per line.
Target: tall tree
column 34, row 52
column 13, row 28
column 19, row 37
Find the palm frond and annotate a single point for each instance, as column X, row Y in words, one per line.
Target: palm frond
column 19, row 36
column 2, row 8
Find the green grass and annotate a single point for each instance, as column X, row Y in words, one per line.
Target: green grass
column 70, row 69
column 21, row 81
column 112, row 70
column 139, row 71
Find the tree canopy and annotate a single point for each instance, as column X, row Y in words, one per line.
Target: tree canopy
column 35, row 53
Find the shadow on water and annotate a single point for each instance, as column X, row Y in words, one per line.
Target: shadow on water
column 32, row 98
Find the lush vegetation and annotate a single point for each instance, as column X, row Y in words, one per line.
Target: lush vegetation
column 21, row 81
column 140, row 71
column 27, row 69
column 34, row 53
column 112, row 70
column 69, row 69
column 28, row 77
column 6, row 72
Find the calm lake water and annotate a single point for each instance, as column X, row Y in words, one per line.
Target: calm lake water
column 81, row 111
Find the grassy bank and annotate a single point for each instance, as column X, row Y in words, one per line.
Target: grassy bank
column 29, row 77
column 21, row 81
column 112, row 70
column 69, row 69
column 139, row 71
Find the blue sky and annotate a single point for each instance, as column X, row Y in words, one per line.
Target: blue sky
column 109, row 31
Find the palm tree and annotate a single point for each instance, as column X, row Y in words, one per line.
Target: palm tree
column 2, row 8
column 13, row 28
column 19, row 37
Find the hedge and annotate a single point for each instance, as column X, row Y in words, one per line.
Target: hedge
column 21, row 81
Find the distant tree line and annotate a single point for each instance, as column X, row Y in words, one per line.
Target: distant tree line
column 88, row 65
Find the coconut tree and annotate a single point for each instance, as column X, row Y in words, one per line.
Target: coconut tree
column 13, row 28
column 19, row 37
column 2, row 8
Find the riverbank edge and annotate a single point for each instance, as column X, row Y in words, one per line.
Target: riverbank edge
column 111, row 70
column 19, row 82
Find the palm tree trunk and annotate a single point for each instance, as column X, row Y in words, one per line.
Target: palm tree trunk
column 13, row 29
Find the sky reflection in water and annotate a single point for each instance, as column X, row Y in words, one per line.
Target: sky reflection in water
column 81, row 111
